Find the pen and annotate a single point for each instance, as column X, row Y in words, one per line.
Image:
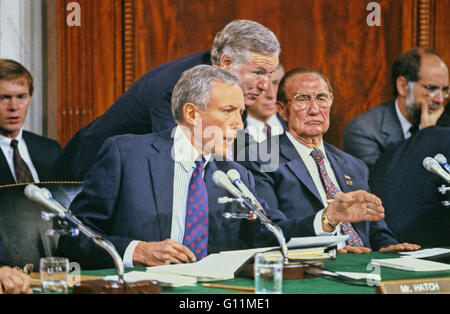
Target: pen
column 209, row 285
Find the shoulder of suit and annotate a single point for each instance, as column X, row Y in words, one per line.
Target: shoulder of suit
column 30, row 136
column 341, row 154
column 372, row 115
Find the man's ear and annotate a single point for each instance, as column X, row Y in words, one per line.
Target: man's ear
column 402, row 86
column 225, row 62
column 190, row 113
column 282, row 110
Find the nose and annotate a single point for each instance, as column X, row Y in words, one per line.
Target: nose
column 13, row 104
column 264, row 82
column 313, row 107
column 237, row 123
column 438, row 96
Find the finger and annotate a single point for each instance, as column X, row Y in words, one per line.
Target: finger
column 342, row 251
column 189, row 256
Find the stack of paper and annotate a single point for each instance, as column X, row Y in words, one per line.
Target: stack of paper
column 411, row 264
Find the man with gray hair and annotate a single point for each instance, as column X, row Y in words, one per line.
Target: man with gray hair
column 153, row 196
column 245, row 48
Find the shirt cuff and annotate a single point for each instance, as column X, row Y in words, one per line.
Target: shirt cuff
column 128, row 255
column 318, row 226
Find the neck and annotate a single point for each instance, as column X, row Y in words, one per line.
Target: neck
column 309, row 141
column 263, row 119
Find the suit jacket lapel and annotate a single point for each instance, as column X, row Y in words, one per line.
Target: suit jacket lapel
column 6, row 176
column 162, row 172
column 296, row 164
column 390, row 126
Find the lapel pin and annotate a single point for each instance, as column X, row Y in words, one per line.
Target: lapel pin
column 348, row 180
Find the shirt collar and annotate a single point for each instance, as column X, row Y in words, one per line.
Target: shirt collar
column 7, row 140
column 184, row 151
column 303, row 150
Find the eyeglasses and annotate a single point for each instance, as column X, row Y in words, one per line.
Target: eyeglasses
column 433, row 90
column 302, row 101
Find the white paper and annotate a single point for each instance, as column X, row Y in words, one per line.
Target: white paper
column 425, row 253
column 220, row 266
column 411, row 264
column 317, row 241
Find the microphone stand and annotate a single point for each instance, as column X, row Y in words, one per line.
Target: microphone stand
column 443, row 190
column 255, row 213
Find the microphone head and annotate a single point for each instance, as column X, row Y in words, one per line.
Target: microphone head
column 219, row 177
column 31, row 190
column 441, row 159
column 46, row 192
column 233, row 174
column 428, row 163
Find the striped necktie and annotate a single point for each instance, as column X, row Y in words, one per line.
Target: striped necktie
column 331, row 190
column 23, row 173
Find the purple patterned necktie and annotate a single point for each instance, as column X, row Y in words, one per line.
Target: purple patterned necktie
column 331, row 190
column 196, row 228
column 23, row 173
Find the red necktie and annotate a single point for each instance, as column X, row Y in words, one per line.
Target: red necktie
column 331, row 190
column 23, row 173
column 196, row 228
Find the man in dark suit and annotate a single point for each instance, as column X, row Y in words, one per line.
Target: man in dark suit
column 24, row 157
column 138, row 194
column 306, row 179
column 420, row 83
column 409, row 192
column 247, row 49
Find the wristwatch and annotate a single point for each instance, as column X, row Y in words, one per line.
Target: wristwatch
column 326, row 221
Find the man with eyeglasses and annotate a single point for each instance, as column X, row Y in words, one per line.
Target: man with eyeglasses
column 314, row 181
column 420, row 83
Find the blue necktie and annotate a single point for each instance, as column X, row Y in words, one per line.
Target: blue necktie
column 196, row 222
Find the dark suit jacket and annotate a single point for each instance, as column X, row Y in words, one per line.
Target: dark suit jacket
column 128, row 195
column 3, row 255
column 289, row 187
column 370, row 134
column 144, row 108
column 43, row 152
column 410, row 193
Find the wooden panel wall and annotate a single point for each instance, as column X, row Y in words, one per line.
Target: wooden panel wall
column 120, row 40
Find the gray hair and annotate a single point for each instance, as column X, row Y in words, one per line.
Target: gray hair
column 240, row 37
column 194, row 86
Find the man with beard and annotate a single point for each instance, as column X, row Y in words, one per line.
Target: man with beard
column 420, row 82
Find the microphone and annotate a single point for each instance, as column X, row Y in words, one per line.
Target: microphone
column 433, row 166
column 34, row 193
column 220, row 178
column 443, row 161
column 235, row 177
column 44, row 197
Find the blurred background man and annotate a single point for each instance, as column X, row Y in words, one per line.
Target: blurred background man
column 420, row 82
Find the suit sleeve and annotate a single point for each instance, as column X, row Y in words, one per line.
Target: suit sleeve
column 94, row 206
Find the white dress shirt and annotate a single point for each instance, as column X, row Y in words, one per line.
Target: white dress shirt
column 184, row 155
column 8, row 152
column 256, row 127
column 305, row 154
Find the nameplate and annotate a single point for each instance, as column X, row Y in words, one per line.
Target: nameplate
column 415, row 286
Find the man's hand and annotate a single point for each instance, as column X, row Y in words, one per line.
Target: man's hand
column 401, row 247
column 354, row 249
column 162, row 253
column 354, row 207
column 430, row 113
column 13, row 281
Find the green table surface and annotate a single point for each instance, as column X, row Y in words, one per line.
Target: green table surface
column 343, row 262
